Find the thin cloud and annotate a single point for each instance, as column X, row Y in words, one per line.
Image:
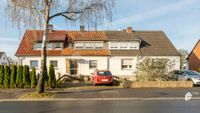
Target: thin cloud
column 157, row 12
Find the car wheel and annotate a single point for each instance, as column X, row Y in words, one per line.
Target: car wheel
column 191, row 80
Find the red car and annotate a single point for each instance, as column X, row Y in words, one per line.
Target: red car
column 102, row 77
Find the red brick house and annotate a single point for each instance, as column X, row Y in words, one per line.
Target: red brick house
column 194, row 57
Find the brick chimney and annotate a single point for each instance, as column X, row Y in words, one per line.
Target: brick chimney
column 129, row 30
column 82, row 28
column 50, row 28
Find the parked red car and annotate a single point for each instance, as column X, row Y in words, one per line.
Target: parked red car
column 102, row 77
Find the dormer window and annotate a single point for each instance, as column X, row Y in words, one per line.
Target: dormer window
column 79, row 45
column 132, row 45
column 98, row 45
column 89, row 45
column 58, row 45
column 124, row 45
column 114, row 45
column 49, row 45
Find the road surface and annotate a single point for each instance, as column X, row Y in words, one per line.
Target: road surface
column 102, row 106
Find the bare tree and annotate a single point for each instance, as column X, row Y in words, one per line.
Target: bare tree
column 38, row 13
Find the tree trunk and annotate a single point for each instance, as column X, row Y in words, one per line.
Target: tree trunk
column 42, row 76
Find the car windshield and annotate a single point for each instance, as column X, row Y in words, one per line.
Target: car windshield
column 191, row 73
column 104, row 73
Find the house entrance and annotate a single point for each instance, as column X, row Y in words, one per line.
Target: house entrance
column 72, row 66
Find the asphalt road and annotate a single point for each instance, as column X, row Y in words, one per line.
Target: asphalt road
column 102, row 106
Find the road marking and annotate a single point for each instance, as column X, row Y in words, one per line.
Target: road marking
column 96, row 99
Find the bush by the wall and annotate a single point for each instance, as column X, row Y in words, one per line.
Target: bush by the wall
column 154, row 70
column 52, row 77
column 1, row 75
column 33, row 78
column 19, row 83
column 13, row 76
column 6, row 77
column 26, row 77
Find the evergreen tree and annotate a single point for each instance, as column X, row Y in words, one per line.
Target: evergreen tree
column 1, row 75
column 26, row 77
column 13, row 76
column 6, row 77
column 19, row 76
column 52, row 78
column 33, row 78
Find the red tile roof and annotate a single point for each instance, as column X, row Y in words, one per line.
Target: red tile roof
column 31, row 36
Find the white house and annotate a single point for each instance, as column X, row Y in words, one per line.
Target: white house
column 81, row 52
column 3, row 59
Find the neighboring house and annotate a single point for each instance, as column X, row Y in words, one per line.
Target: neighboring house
column 194, row 57
column 4, row 59
column 81, row 52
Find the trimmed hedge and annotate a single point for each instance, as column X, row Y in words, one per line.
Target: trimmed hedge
column 6, row 77
column 13, row 76
column 52, row 77
column 1, row 75
column 19, row 76
column 26, row 77
column 33, row 78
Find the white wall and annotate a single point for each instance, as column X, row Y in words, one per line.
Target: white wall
column 4, row 60
column 83, row 64
column 115, row 66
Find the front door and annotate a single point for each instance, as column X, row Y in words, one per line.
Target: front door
column 72, row 66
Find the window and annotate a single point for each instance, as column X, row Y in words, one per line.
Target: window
column 34, row 63
column 134, row 45
column 79, row 45
column 49, row 45
column 127, row 63
column 89, row 45
column 38, row 46
column 98, row 45
column 123, row 45
column 114, row 45
column 58, row 45
column 54, row 63
column 92, row 64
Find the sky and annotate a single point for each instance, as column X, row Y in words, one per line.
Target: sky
column 179, row 19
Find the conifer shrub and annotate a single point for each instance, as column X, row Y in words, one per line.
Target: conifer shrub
column 13, row 76
column 52, row 77
column 6, row 76
column 19, row 76
column 26, row 77
column 1, row 75
column 33, row 78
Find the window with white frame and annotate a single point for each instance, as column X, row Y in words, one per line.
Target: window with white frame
column 89, row 45
column 123, row 45
column 92, row 64
column 38, row 45
column 98, row 45
column 127, row 63
column 54, row 63
column 33, row 63
column 57, row 45
column 79, row 45
column 114, row 45
column 49, row 45
column 134, row 45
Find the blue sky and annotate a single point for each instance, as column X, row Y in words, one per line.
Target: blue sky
column 179, row 19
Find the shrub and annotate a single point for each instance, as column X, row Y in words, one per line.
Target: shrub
column 13, row 76
column 26, row 77
column 33, row 78
column 153, row 70
column 19, row 76
column 52, row 78
column 1, row 75
column 6, row 77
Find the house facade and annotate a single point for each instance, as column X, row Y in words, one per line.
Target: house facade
column 81, row 52
column 194, row 57
column 4, row 59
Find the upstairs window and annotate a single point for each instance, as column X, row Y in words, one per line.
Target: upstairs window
column 98, row 45
column 49, row 45
column 58, row 45
column 79, row 45
column 89, row 45
column 38, row 46
column 123, row 45
column 134, row 45
column 114, row 45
